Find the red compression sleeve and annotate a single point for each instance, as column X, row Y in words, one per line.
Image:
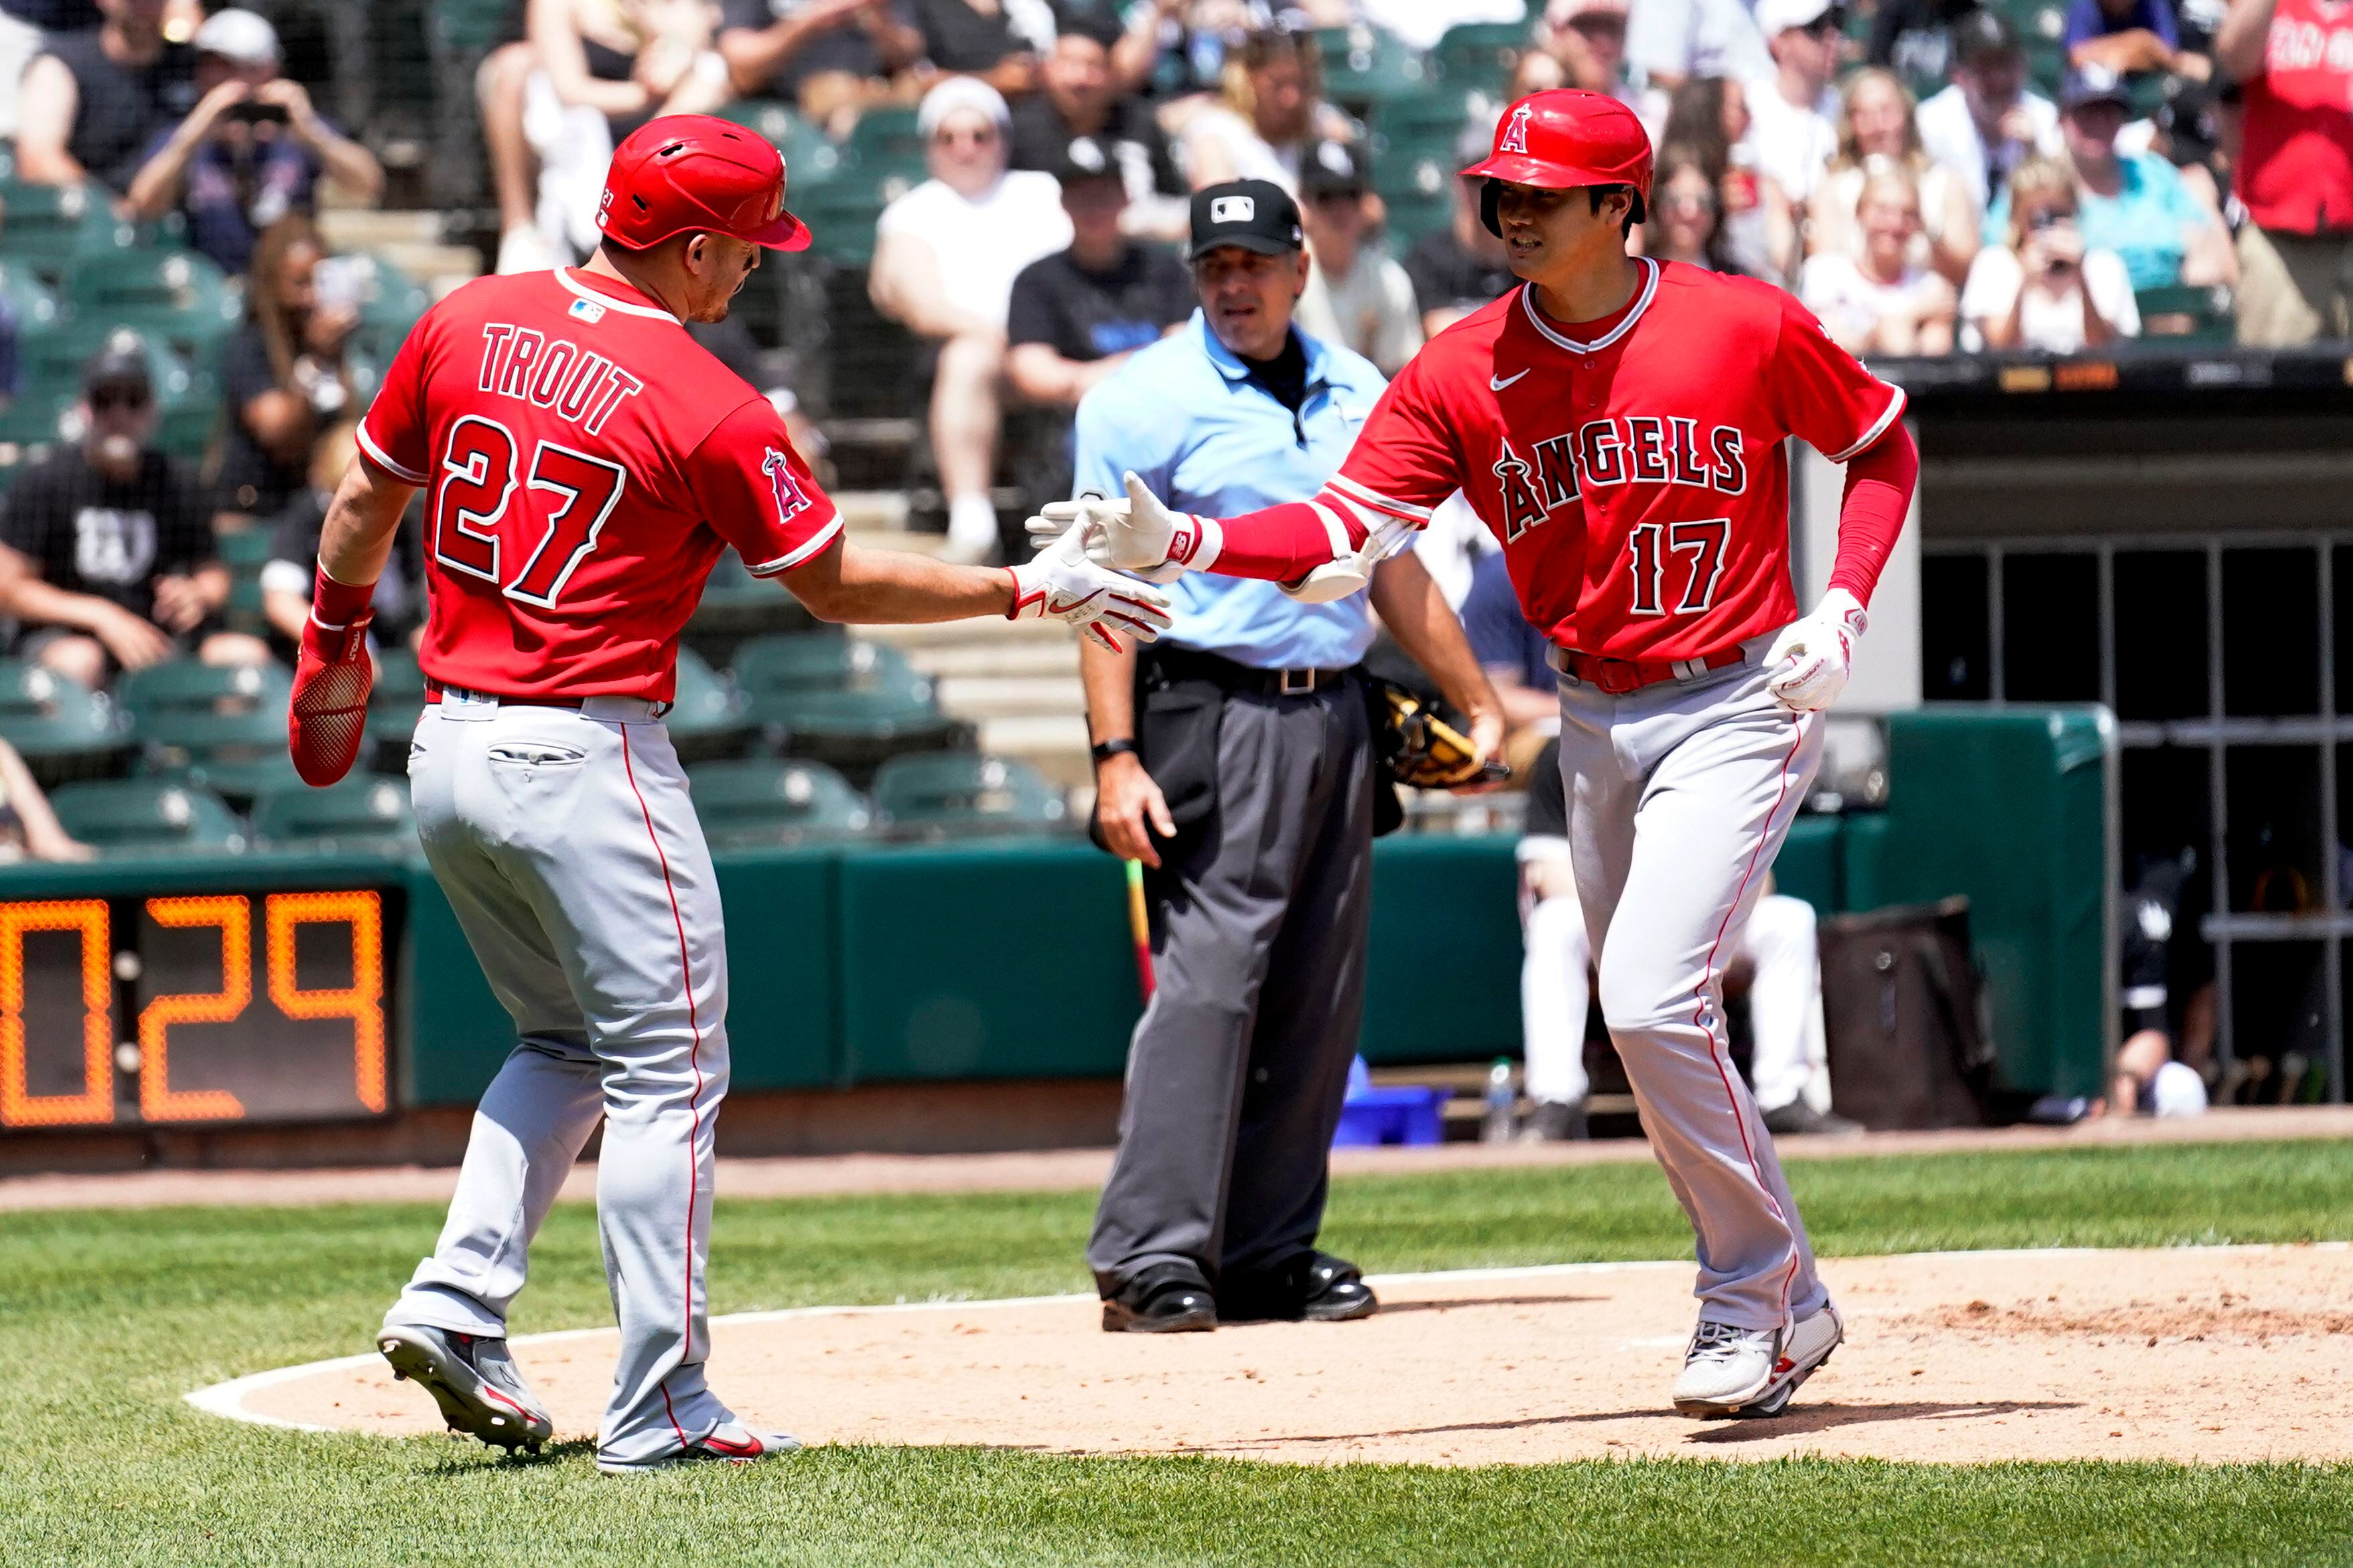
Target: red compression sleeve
column 1281, row 543
column 335, row 604
column 1879, row 485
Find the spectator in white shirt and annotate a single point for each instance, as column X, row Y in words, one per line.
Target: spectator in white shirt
column 945, row 257
column 1269, row 106
column 1986, row 123
column 1790, row 111
column 1671, row 42
column 1876, row 125
column 1357, row 294
column 1883, row 300
column 2045, row 290
column 1710, row 116
column 1420, row 24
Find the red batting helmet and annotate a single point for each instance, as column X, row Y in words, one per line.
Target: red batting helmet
column 688, row 173
column 1561, row 139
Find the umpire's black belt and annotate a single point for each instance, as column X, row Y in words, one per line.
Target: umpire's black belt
column 1172, row 663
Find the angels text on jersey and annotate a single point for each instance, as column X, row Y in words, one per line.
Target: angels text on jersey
column 1640, row 448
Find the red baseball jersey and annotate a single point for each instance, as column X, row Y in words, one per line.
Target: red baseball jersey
column 1636, row 476
column 586, row 460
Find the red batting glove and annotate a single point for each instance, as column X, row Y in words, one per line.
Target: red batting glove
column 328, row 716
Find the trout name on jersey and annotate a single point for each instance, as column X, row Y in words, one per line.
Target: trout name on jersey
column 1640, row 448
column 578, row 385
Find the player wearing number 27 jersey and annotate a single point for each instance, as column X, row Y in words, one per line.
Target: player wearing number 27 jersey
column 587, row 461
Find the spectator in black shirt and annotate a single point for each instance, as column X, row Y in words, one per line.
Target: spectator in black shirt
column 1080, row 98
column 287, row 372
column 999, row 43
column 91, row 103
column 1077, row 315
column 827, row 58
column 1914, row 39
column 1460, row 268
column 106, row 558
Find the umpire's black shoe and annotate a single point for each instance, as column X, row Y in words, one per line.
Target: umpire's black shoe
column 1165, row 1298
column 1313, row 1286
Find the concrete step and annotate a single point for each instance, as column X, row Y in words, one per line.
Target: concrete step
column 995, row 659
column 872, row 510
column 1056, row 746
column 986, row 631
column 372, row 229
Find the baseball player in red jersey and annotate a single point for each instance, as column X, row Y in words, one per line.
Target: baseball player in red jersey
column 1618, row 424
column 586, row 462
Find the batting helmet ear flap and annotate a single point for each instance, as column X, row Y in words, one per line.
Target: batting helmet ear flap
column 1491, row 196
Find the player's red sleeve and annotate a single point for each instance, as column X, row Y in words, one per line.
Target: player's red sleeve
column 757, row 493
column 394, row 432
column 1404, row 463
column 1822, row 394
column 1879, row 486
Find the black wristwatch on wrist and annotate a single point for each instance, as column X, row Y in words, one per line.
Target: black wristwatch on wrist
column 1104, row 751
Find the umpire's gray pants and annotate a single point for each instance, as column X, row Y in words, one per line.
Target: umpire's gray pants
column 570, row 852
column 1237, row 1067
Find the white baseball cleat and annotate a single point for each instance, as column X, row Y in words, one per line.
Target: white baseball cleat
column 1729, row 1371
column 731, row 1442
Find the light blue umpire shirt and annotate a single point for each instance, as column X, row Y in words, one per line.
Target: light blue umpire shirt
column 1185, row 416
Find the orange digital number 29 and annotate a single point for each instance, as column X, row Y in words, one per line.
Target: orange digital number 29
column 362, row 1002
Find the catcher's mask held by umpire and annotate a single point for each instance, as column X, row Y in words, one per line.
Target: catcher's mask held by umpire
column 697, row 173
column 1560, row 138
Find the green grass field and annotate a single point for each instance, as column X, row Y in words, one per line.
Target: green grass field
column 108, row 1317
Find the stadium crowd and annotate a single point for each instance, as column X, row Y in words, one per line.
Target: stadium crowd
column 1929, row 177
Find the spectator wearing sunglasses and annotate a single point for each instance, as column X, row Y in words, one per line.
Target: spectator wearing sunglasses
column 1356, row 295
column 1685, row 213
column 1790, row 111
column 106, row 554
column 945, row 257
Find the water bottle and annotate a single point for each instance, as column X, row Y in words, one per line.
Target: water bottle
column 1501, row 1100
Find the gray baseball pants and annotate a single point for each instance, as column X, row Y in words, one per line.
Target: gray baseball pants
column 1679, row 797
column 1239, row 1065
column 567, row 846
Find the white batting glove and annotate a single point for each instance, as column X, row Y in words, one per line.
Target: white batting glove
column 1063, row 584
column 1811, row 658
column 1139, row 535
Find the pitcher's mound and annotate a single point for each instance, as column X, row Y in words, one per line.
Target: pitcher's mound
column 2207, row 1354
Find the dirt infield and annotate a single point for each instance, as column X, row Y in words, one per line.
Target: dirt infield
column 1063, row 1169
column 2205, row 1354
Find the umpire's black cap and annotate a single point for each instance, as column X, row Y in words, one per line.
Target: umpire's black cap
column 1256, row 215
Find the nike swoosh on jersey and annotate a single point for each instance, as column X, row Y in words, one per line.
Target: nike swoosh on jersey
column 1497, row 383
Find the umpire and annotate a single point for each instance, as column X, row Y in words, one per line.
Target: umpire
column 1234, row 760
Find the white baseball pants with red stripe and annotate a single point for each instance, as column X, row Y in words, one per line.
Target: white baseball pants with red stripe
column 1679, row 797
column 567, row 846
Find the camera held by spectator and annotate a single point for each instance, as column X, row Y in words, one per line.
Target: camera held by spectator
column 2044, row 288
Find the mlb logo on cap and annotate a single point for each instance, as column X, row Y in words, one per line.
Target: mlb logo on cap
column 1252, row 214
column 1232, row 209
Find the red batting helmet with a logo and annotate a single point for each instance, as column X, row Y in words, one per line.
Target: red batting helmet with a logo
column 1560, row 138
column 696, row 174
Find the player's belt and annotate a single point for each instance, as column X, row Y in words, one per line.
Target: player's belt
column 622, row 707
column 1172, row 662
column 1619, row 676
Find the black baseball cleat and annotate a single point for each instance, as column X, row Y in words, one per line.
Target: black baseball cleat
column 1313, row 1287
column 473, row 1379
column 1165, row 1298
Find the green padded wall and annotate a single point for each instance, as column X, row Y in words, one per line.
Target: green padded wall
column 2008, row 805
column 984, row 961
column 1443, row 981
column 1811, row 865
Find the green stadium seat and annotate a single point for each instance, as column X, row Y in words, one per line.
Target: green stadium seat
column 54, row 361
column 129, row 818
column 2185, row 314
column 823, row 661
column 35, row 308
column 855, row 730
column 811, row 157
column 770, row 801
column 63, row 731
column 1481, row 55
column 1362, row 66
column 887, row 137
column 245, row 552
column 469, row 27
column 177, row 296
column 395, row 703
column 390, row 304
column 957, row 794
column 48, row 227
column 222, row 727
column 359, row 813
column 708, row 717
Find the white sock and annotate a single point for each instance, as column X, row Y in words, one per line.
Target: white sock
column 972, row 523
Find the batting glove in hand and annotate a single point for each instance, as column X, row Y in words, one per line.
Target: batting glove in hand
column 1064, row 583
column 1139, row 535
column 1811, row 658
column 333, row 676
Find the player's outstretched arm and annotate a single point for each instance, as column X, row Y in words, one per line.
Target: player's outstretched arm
column 848, row 584
column 332, row 673
column 1142, row 534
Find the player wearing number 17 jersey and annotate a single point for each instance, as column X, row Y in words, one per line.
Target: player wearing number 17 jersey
column 1619, row 424
column 585, row 463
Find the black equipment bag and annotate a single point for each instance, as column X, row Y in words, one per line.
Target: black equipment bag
column 1901, row 1000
